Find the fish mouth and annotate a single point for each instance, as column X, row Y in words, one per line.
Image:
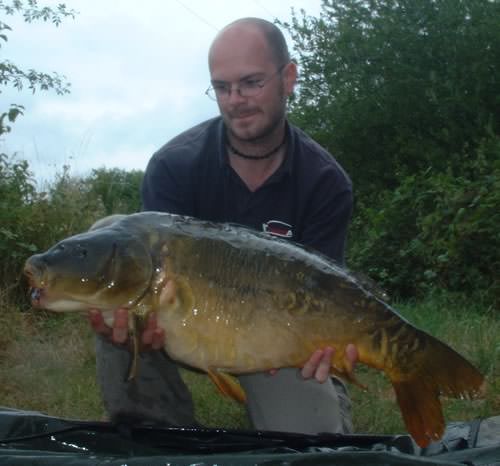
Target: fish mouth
column 37, row 289
column 36, row 296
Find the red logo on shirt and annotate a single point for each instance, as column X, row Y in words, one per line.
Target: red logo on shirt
column 278, row 228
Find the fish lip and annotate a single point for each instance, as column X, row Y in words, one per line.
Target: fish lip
column 37, row 294
column 37, row 290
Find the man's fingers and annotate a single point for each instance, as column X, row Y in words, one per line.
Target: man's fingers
column 153, row 336
column 318, row 365
column 97, row 323
column 158, row 340
column 323, row 370
column 120, row 326
column 147, row 334
column 351, row 353
column 310, row 366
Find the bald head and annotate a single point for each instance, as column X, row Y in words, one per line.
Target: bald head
column 261, row 30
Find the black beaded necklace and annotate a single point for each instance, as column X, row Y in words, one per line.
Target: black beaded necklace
column 256, row 157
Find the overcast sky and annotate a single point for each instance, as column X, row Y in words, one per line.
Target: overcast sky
column 138, row 72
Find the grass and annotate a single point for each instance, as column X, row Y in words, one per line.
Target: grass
column 47, row 364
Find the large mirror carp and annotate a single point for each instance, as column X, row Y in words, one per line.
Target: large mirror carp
column 235, row 301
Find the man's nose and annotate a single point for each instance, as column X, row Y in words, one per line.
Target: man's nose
column 235, row 96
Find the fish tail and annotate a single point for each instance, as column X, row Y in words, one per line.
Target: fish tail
column 444, row 372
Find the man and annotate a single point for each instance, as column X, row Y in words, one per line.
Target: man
column 249, row 166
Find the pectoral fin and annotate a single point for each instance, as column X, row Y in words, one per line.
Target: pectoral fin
column 135, row 348
column 227, row 385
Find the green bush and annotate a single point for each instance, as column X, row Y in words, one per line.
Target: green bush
column 394, row 87
column 32, row 220
column 438, row 229
column 17, row 192
column 118, row 189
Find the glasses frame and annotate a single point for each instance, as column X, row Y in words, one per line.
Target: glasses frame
column 237, row 87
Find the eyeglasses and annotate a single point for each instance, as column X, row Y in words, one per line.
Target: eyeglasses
column 250, row 87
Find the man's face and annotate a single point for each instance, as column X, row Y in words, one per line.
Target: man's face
column 241, row 54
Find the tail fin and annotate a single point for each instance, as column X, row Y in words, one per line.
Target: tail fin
column 442, row 372
column 421, row 410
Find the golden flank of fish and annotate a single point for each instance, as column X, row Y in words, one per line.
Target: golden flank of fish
column 234, row 301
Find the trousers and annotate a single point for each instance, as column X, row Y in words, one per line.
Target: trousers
column 282, row 402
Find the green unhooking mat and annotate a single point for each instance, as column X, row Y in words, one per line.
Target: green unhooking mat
column 30, row 438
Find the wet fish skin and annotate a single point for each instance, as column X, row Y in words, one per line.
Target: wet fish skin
column 235, row 301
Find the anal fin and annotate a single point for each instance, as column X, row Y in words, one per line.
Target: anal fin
column 348, row 376
column 227, row 385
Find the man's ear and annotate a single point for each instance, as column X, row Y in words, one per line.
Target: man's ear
column 289, row 77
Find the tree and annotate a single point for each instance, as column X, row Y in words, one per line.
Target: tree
column 119, row 190
column 392, row 87
column 11, row 74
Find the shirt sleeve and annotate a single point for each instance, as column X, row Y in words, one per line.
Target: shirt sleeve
column 164, row 187
column 326, row 225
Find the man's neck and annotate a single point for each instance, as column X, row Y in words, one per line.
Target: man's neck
column 254, row 173
column 258, row 148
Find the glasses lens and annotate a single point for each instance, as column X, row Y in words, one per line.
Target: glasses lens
column 247, row 90
column 250, row 88
column 210, row 92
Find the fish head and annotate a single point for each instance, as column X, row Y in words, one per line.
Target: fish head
column 103, row 269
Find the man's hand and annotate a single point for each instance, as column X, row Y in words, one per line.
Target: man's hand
column 152, row 337
column 318, row 365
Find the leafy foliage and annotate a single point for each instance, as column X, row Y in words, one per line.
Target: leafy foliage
column 17, row 190
column 394, row 87
column 117, row 189
column 435, row 230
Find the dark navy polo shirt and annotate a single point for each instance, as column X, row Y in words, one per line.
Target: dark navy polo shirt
column 308, row 199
